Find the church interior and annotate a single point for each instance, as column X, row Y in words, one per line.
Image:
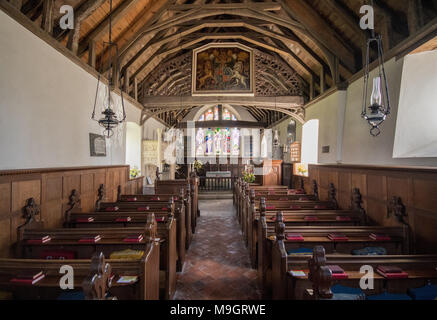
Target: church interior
column 218, row 150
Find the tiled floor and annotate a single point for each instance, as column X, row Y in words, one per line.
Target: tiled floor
column 217, row 265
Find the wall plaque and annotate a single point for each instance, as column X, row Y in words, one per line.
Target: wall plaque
column 97, row 145
column 295, row 152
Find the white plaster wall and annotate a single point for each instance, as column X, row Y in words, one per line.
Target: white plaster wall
column 416, row 134
column 133, row 145
column 150, row 129
column 46, row 104
column 347, row 134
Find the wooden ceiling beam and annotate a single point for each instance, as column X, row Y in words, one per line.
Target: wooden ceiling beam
column 323, row 32
column 215, row 24
column 98, row 32
column 84, row 11
column 263, row 6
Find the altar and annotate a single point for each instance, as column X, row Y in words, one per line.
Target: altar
column 218, row 178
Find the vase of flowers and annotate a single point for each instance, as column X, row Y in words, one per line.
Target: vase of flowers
column 198, row 166
column 301, row 169
column 248, row 177
column 134, row 172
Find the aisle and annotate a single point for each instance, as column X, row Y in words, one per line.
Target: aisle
column 217, row 264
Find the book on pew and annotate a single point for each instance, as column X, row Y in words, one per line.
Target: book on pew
column 343, row 218
column 155, row 199
column 29, row 278
column 379, row 237
column 112, row 209
column 160, row 219
column 270, row 208
column 143, row 209
column 134, row 238
column 123, row 219
column 391, row 272
column 89, row 219
column 337, row 272
column 127, row 279
column 41, row 240
column 297, row 273
column 91, row 239
column 132, row 199
column 294, row 237
column 337, row 237
column 164, row 209
column 311, row 218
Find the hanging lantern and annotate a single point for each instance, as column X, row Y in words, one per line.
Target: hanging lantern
column 379, row 104
column 110, row 120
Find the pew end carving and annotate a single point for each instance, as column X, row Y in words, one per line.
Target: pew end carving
column 320, row 275
column 315, row 190
column 357, row 201
column 73, row 206
column 98, row 282
column 397, row 209
column 332, row 195
column 101, row 195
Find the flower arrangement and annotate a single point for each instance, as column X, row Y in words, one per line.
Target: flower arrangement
column 198, row 165
column 248, row 177
column 134, row 172
column 301, row 169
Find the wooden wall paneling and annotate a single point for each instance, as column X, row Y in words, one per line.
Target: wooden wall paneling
column 417, row 187
column 52, row 199
column 88, row 191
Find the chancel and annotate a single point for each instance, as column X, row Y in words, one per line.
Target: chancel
column 218, row 150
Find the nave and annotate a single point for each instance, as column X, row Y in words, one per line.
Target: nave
column 217, row 266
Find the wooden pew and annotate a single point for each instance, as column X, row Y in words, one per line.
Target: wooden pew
column 156, row 206
column 146, row 288
column 297, row 215
column 420, row 269
column 359, row 237
column 174, row 187
column 113, row 239
column 127, row 220
column 184, row 198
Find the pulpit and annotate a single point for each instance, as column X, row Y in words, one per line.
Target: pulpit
column 272, row 173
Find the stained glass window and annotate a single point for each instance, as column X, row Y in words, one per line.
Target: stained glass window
column 209, row 115
column 213, row 114
column 218, row 141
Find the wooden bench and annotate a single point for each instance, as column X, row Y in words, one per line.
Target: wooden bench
column 421, row 270
column 358, row 238
column 112, row 239
column 175, row 186
column 183, row 199
column 93, row 275
column 126, row 220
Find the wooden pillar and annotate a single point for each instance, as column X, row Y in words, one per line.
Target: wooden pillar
column 312, row 96
column 47, row 16
column 136, row 89
column 92, row 54
column 415, row 16
column 17, row 4
column 336, row 75
column 126, row 80
column 322, row 80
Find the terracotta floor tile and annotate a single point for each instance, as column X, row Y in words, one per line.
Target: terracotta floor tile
column 217, row 264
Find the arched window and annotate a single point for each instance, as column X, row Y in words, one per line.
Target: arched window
column 214, row 114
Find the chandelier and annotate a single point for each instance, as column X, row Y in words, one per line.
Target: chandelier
column 379, row 106
column 109, row 120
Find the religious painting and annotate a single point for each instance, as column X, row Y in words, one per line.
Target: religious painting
column 97, row 145
column 223, row 69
